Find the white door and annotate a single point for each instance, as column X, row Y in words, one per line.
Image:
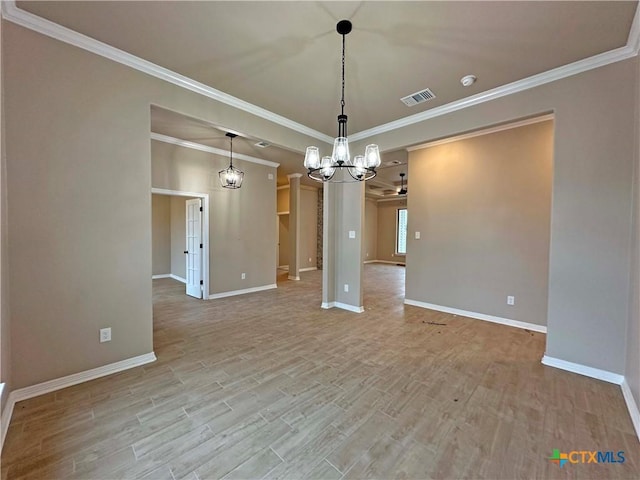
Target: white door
column 194, row 248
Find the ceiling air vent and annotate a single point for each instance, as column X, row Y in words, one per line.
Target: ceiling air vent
column 418, row 97
column 262, row 144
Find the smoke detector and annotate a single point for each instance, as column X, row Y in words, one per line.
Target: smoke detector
column 468, row 80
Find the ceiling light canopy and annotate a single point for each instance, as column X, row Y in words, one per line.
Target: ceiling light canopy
column 361, row 167
column 231, row 177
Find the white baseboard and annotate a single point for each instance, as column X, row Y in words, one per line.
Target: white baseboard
column 632, row 406
column 169, row 275
column 583, row 370
column 386, row 261
column 284, row 267
column 293, row 277
column 242, row 292
column 344, row 306
column 68, row 381
column 478, row 316
column 308, row 269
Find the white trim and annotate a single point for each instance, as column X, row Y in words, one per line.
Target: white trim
column 46, row 27
column 294, row 175
column 282, row 187
column 308, row 269
column 632, row 406
column 68, row 381
column 232, row 293
column 282, row 213
column 179, row 279
column 164, row 275
column 206, row 148
column 284, row 267
column 397, row 198
column 543, row 78
column 33, row 22
column 350, row 308
column 294, row 277
column 388, row 262
column 370, row 261
column 633, row 40
column 5, row 420
column 583, row 370
column 484, row 131
column 341, row 305
column 478, row 316
column 205, row 231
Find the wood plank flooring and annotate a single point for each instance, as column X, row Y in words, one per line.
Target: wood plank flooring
column 268, row 385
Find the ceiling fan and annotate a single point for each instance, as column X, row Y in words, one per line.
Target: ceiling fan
column 403, row 187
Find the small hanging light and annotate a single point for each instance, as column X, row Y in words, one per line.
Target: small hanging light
column 362, row 167
column 403, row 189
column 231, row 177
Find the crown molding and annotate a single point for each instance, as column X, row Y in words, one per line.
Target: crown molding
column 28, row 20
column 484, row 131
column 633, row 40
column 205, row 148
column 51, row 29
column 559, row 73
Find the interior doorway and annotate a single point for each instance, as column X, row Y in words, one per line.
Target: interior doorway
column 180, row 239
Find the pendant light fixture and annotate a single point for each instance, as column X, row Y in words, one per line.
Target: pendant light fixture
column 403, row 189
column 361, row 167
column 231, row 177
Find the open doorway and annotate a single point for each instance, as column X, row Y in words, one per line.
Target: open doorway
column 180, row 239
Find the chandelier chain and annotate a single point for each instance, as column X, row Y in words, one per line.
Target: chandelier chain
column 342, row 100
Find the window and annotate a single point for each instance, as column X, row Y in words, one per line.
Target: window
column 401, row 232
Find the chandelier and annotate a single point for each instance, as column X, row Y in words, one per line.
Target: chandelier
column 231, row 177
column 361, row 167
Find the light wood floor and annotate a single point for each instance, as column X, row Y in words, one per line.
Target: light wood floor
column 269, row 385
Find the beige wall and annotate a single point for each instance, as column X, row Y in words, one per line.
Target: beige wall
column 632, row 360
column 308, row 227
column 592, row 187
column 242, row 230
column 161, row 234
column 178, row 235
column 370, row 251
column 483, row 207
column 387, row 213
column 77, row 146
column 283, row 200
column 283, row 243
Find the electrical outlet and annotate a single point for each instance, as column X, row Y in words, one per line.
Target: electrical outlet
column 511, row 300
column 105, row 335
column 352, row 234
column 346, row 287
column 417, row 235
column 270, row 176
column 243, row 276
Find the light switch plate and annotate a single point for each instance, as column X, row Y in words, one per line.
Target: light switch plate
column 352, row 234
column 417, row 235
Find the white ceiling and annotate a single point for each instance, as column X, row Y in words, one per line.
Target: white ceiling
column 285, row 56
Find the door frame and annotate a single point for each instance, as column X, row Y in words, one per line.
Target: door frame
column 204, row 197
